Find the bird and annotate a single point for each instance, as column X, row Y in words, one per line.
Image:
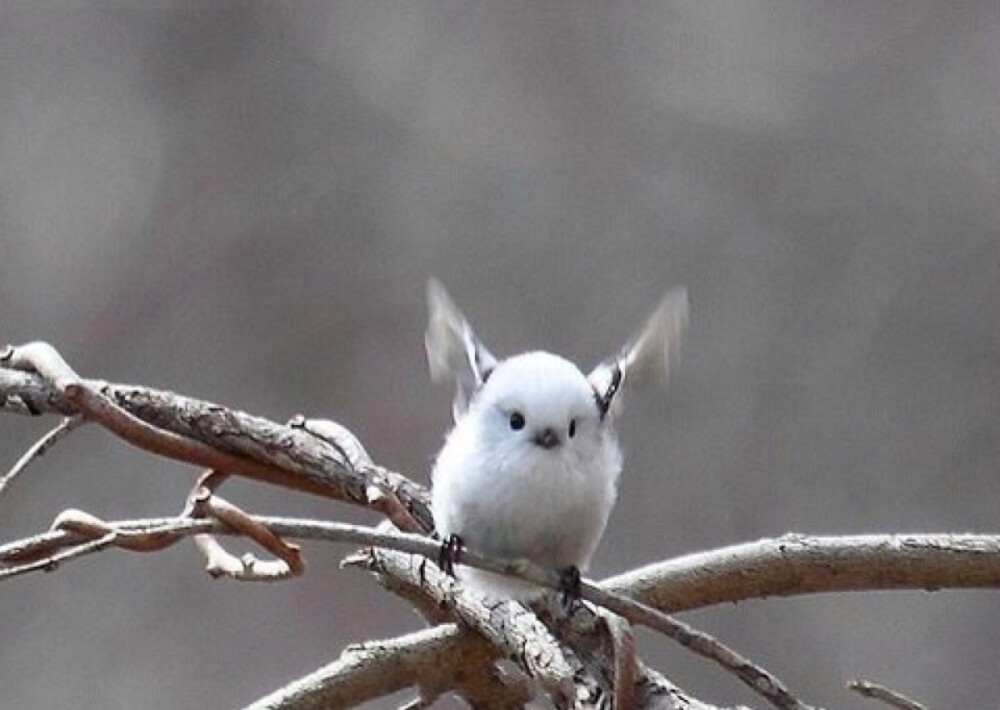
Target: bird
column 530, row 469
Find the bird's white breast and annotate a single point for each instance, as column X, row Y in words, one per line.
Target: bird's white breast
column 510, row 498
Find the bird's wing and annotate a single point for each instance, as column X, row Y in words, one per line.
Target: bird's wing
column 454, row 353
column 645, row 359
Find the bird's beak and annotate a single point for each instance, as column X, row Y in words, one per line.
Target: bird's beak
column 547, row 439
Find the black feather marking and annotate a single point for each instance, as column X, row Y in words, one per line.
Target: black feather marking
column 604, row 400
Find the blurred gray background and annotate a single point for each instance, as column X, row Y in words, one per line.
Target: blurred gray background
column 243, row 201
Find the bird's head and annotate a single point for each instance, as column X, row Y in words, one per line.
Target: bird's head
column 538, row 399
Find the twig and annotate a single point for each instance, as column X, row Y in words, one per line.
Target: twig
column 42, row 358
column 757, row 678
column 890, row 697
column 51, row 563
column 202, row 502
column 215, row 555
column 40, row 448
column 86, row 397
column 245, row 568
column 143, row 435
column 418, row 703
column 934, row 561
column 153, row 537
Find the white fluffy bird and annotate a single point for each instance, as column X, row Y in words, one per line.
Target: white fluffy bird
column 530, row 469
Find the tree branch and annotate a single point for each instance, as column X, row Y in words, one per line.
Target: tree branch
column 795, row 564
column 326, row 459
column 925, row 560
column 321, row 458
column 376, row 668
column 849, row 563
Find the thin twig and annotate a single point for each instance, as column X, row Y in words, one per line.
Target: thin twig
column 757, row 678
column 50, row 564
column 153, row 538
column 245, row 568
column 41, row 447
column 205, row 543
column 418, row 703
column 890, row 697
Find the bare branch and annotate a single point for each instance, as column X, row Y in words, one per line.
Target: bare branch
column 480, row 617
column 51, row 563
column 793, row 565
column 758, row 679
column 655, row 692
column 155, row 536
column 932, row 562
column 42, row 358
column 754, row 676
column 326, row 459
column 377, row 668
column 246, row 568
column 790, row 565
column 28, row 394
column 515, row 630
column 512, row 628
column 890, row 697
column 67, row 426
column 311, row 456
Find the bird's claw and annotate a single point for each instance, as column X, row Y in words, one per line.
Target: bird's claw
column 570, row 586
column 448, row 554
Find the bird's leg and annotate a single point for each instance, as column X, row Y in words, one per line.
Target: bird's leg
column 569, row 586
column 448, row 554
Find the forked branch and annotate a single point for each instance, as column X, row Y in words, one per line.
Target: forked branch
column 578, row 666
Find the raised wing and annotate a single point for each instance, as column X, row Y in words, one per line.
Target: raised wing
column 645, row 359
column 454, row 353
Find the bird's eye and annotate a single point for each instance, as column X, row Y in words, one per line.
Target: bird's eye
column 516, row 421
column 572, row 428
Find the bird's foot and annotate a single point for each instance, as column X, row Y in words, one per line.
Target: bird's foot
column 569, row 586
column 448, row 554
